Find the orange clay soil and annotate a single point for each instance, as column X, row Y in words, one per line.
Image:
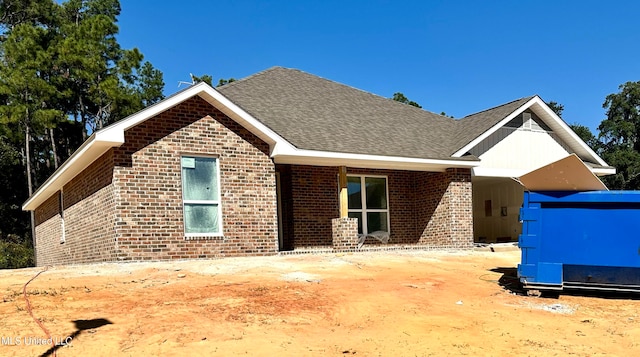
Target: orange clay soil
column 365, row 304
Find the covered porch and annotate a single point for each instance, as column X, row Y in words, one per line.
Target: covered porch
column 330, row 207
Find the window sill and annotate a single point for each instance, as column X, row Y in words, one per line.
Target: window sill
column 204, row 237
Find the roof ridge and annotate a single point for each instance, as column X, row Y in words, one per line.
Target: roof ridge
column 257, row 74
column 271, row 69
column 498, row 106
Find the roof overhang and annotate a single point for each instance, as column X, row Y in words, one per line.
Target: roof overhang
column 113, row 136
column 564, row 132
column 281, row 150
column 290, row 155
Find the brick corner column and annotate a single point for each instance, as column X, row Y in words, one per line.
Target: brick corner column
column 345, row 233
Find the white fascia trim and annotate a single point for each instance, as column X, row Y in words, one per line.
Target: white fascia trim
column 556, row 119
column 113, row 136
column 569, row 131
column 493, row 129
column 326, row 158
column 495, row 172
column 601, row 171
column 86, row 154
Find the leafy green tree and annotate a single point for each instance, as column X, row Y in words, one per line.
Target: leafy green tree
column 14, row 223
column 16, row 12
column 620, row 136
column 26, row 89
column 556, row 107
column 208, row 79
column 104, row 82
column 203, row 78
column 586, row 135
column 15, row 255
column 63, row 75
column 223, row 81
column 28, row 92
column 399, row 97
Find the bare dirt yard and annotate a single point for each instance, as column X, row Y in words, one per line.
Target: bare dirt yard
column 406, row 303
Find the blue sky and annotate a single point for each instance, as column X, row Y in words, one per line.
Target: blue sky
column 459, row 57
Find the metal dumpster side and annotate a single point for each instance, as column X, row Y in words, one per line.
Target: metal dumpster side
column 580, row 240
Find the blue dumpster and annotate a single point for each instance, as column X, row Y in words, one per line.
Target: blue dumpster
column 580, row 240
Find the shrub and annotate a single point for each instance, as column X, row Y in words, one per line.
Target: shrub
column 15, row 255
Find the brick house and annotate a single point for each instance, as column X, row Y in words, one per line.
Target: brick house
column 284, row 160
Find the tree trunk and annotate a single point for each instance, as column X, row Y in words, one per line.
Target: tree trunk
column 56, row 159
column 27, row 152
column 83, row 120
column 27, row 155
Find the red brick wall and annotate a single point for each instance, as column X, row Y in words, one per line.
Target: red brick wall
column 88, row 219
column 425, row 208
column 445, row 217
column 402, row 203
column 314, row 192
column 149, row 189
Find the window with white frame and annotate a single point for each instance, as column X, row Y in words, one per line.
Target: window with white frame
column 368, row 203
column 201, row 196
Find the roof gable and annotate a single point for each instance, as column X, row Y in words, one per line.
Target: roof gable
column 474, row 125
column 479, row 126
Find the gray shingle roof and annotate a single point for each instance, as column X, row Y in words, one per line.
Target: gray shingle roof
column 314, row 113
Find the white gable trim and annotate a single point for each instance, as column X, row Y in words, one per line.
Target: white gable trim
column 553, row 121
column 113, row 136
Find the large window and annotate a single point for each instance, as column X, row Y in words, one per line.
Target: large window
column 368, row 203
column 201, row 196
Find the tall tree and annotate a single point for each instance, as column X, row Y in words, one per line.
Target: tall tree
column 586, row 135
column 62, row 75
column 25, row 83
column 223, row 81
column 104, row 81
column 16, row 12
column 208, row 79
column 556, row 107
column 27, row 91
column 620, row 136
column 399, row 97
column 14, row 223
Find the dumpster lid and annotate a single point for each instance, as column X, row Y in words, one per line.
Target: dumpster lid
column 568, row 174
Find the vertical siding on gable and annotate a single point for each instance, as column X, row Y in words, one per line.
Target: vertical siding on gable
column 519, row 149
